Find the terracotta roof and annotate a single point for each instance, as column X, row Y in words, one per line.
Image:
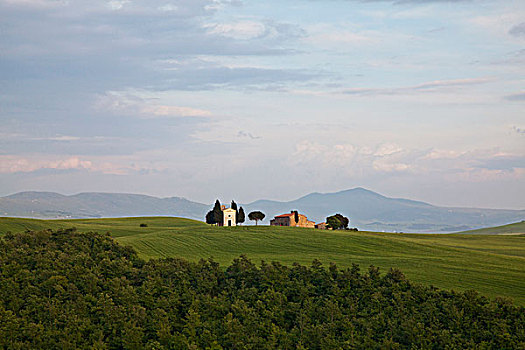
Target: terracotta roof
column 284, row 215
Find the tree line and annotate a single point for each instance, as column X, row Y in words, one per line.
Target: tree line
column 68, row 290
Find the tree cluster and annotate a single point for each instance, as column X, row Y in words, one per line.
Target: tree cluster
column 69, row 290
column 337, row 222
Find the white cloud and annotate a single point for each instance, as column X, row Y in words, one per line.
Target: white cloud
column 485, row 175
column 124, row 165
column 383, row 166
column 426, row 87
column 36, row 3
column 345, row 37
column 117, row 4
column 435, row 91
column 243, row 30
column 228, row 130
column 338, row 38
column 415, row 12
column 330, row 35
column 131, row 103
column 447, row 83
column 365, row 161
column 14, row 164
column 442, row 154
column 168, row 8
column 173, row 111
column 64, row 138
column 499, row 24
column 263, row 30
column 387, row 149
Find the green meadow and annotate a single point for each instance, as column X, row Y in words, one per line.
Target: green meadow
column 494, row 265
column 512, row 229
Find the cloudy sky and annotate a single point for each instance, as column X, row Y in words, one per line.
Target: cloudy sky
column 422, row 99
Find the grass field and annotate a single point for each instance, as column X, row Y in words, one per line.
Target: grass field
column 492, row 264
column 512, row 229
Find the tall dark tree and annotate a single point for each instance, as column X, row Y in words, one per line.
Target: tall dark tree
column 217, row 212
column 233, row 206
column 210, row 218
column 241, row 217
column 256, row 216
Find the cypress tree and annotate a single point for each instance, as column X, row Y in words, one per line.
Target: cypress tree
column 234, row 207
column 217, row 213
column 241, row 216
column 209, row 218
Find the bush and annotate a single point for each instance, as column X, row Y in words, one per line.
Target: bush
column 143, row 225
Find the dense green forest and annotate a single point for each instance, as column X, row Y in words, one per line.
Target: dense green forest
column 68, row 290
column 493, row 265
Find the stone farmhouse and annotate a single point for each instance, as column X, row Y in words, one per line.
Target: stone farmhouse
column 289, row 220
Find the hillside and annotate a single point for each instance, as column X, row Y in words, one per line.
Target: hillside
column 517, row 228
column 493, row 265
column 367, row 210
column 68, row 290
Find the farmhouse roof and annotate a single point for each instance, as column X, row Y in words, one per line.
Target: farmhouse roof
column 284, row 215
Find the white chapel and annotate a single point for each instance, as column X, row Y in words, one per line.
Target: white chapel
column 229, row 217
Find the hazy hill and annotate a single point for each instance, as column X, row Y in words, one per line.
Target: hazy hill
column 97, row 205
column 367, row 210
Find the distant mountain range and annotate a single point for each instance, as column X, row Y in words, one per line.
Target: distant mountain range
column 371, row 211
column 367, row 210
column 97, row 205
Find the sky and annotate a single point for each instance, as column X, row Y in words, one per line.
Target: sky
column 251, row 99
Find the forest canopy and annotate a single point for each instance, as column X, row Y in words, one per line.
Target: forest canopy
column 64, row 289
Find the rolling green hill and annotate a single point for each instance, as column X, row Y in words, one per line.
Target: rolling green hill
column 517, row 228
column 493, row 265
